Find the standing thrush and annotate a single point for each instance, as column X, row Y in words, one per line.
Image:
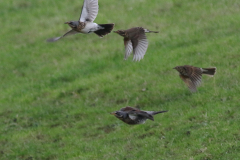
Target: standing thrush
column 192, row 76
column 135, row 40
column 85, row 23
column 134, row 116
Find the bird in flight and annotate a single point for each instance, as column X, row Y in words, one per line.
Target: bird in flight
column 134, row 116
column 135, row 40
column 85, row 23
column 192, row 76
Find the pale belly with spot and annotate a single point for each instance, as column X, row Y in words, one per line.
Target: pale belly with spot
column 90, row 27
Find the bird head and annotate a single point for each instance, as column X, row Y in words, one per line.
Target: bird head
column 72, row 24
column 182, row 70
column 177, row 68
column 119, row 114
column 120, row 32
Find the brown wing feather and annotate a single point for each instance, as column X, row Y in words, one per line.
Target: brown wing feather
column 195, row 75
column 127, row 109
column 189, row 83
column 140, row 44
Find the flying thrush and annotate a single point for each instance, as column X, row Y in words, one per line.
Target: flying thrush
column 192, row 76
column 134, row 116
column 135, row 40
column 85, row 23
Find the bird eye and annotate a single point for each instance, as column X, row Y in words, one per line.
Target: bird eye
column 118, row 114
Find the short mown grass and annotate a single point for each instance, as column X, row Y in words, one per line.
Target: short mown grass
column 56, row 97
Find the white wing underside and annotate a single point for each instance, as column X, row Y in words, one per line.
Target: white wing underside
column 149, row 112
column 128, row 49
column 133, row 117
column 140, row 50
column 89, row 11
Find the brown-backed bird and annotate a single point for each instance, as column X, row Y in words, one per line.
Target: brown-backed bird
column 135, row 40
column 192, row 76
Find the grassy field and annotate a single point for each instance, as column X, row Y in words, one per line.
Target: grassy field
column 56, row 98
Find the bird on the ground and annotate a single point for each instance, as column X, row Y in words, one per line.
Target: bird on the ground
column 134, row 116
column 85, row 23
column 135, row 40
column 192, row 76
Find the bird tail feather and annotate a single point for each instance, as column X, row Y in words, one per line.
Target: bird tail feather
column 209, row 71
column 148, row 31
column 158, row 112
column 107, row 28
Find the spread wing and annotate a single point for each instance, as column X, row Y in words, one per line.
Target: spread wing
column 134, row 113
column 196, row 76
column 140, row 114
column 140, row 44
column 66, row 34
column 89, row 11
column 127, row 109
column 128, row 48
column 189, row 83
column 146, row 115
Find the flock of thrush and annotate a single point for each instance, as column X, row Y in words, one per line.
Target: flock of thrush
column 135, row 41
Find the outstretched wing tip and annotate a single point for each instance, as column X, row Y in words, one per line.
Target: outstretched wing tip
column 89, row 11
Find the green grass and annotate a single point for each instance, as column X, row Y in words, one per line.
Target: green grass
column 56, row 97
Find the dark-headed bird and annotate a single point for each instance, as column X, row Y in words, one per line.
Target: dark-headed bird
column 135, row 40
column 134, row 116
column 85, row 23
column 192, row 76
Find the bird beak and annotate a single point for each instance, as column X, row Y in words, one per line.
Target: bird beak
column 115, row 31
column 66, row 23
column 113, row 113
column 174, row 68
